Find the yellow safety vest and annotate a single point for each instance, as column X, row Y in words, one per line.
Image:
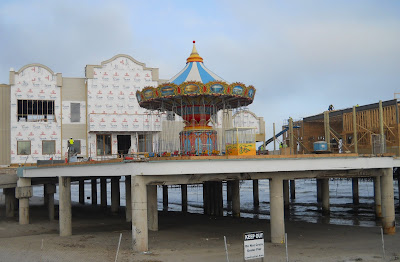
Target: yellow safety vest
column 71, row 141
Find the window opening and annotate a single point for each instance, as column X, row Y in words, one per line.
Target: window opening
column 48, row 147
column 76, row 147
column 35, row 110
column 75, row 112
column 103, row 143
column 24, row 147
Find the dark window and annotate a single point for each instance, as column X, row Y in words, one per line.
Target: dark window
column 75, row 112
column 103, row 144
column 35, row 110
column 24, row 147
column 48, row 147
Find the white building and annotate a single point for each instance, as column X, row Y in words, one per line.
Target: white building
column 100, row 112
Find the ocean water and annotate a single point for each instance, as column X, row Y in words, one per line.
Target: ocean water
column 303, row 208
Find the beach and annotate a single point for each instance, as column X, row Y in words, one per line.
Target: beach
column 184, row 237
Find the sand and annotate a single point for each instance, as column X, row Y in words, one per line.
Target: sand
column 183, row 237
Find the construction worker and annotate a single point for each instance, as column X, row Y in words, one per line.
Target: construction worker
column 261, row 149
column 280, row 145
column 70, row 148
column 71, row 141
column 330, row 108
column 357, row 105
column 71, row 144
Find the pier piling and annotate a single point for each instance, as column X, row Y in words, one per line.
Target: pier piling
column 128, row 197
column 277, row 210
column 65, row 206
column 388, row 215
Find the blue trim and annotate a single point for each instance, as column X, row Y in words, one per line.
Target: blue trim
column 182, row 77
column 205, row 76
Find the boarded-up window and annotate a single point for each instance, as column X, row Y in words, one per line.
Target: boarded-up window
column 75, row 112
column 48, row 147
column 24, row 147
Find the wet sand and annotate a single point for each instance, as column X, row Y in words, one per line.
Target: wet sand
column 183, row 237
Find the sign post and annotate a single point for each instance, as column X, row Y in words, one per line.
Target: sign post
column 253, row 245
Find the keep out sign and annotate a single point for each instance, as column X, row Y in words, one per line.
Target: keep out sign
column 253, row 245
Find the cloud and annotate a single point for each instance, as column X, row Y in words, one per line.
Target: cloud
column 62, row 35
column 300, row 55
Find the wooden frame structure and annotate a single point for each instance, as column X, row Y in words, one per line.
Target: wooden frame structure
column 372, row 123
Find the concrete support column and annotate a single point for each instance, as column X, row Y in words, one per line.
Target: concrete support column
column 165, row 198
column 388, row 219
column 398, row 185
column 325, row 195
column 152, row 211
column 205, row 203
column 23, row 192
column 50, row 190
column 277, row 210
column 286, row 193
column 229, row 191
column 207, row 198
column 220, row 198
column 82, row 191
column 292, row 189
column 184, row 198
column 103, row 192
column 45, row 196
column 319, row 191
column 140, row 240
column 216, row 198
column 256, row 198
column 115, row 203
column 10, row 200
column 65, row 216
column 235, row 198
column 128, row 206
column 94, row 191
column 211, row 197
column 356, row 198
column 378, row 196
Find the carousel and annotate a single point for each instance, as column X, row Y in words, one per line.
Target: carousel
column 196, row 94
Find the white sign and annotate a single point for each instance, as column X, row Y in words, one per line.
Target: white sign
column 253, row 245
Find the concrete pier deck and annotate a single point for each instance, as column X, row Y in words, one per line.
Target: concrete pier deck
column 145, row 175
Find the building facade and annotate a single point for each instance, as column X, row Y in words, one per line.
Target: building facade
column 100, row 112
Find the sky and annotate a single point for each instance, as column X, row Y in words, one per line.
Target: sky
column 301, row 56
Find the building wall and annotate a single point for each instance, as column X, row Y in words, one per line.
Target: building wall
column 246, row 118
column 35, row 82
column 107, row 105
column 74, row 91
column 5, row 125
column 111, row 97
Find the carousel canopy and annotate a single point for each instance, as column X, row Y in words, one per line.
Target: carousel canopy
column 195, row 85
column 195, row 71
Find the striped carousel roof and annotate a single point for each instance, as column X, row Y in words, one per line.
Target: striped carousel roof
column 195, row 71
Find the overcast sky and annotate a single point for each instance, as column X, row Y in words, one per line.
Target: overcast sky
column 300, row 55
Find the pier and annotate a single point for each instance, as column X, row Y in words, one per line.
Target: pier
column 142, row 177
